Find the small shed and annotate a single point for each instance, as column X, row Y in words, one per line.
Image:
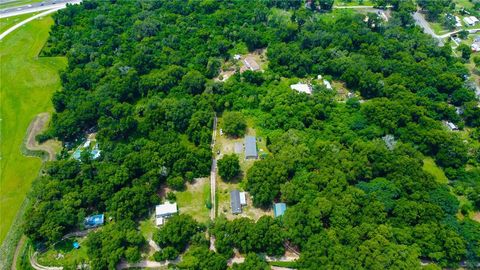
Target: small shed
column 94, row 221
column 279, row 209
column 251, row 147
column 235, row 202
column 243, row 198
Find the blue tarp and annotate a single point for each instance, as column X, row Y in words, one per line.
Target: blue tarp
column 279, row 209
column 94, row 221
column 76, row 245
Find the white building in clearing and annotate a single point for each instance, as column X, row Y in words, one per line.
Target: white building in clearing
column 470, row 21
column 302, row 88
column 164, row 211
column 451, row 125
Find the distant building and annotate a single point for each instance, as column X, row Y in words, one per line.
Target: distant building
column 94, row 221
column 243, row 198
column 470, row 21
column 235, row 202
column 279, row 209
column 302, row 88
column 251, row 147
column 451, row 125
column 164, row 211
column 251, row 63
column 458, row 23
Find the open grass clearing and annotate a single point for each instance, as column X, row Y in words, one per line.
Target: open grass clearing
column 353, row 3
column 192, row 200
column 431, row 167
column 27, row 83
column 64, row 254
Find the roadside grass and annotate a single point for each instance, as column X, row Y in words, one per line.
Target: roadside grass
column 463, row 3
column 8, row 22
column 432, row 168
column 27, row 83
column 16, row 3
column 63, row 254
column 192, row 200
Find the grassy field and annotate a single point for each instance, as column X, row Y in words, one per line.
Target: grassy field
column 8, row 22
column 63, row 254
column 192, row 201
column 430, row 166
column 26, row 84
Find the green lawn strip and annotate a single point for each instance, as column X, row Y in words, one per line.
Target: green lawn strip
column 192, row 200
column 463, row 3
column 17, row 3
column 63, row 254
column 353, row 3
column 432, row 168
column 27, row 83
column 6, row 23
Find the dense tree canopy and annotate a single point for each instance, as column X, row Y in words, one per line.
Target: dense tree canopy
column 140, row 74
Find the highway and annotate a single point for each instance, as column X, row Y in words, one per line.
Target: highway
column 35, row 7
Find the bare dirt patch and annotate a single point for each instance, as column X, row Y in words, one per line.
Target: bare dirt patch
column 38, row 125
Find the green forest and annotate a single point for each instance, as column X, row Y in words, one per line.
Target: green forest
column 141, row 75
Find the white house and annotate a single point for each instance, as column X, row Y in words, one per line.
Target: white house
column 164, row 211
column 470, row 21
column 451, row 125
column 458, row 22
column 302, row 88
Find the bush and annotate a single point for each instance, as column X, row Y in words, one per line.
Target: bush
column 132, row 254
column 168, row 253
column 234, row 124
column 176, row 182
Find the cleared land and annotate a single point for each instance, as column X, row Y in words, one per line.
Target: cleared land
column 192, row 200
column 27, row 83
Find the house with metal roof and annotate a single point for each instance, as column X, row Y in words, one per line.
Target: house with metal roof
column 94, row 221
column 251, row 147
column 164, row 211
column 235, row 202
column 279, row 209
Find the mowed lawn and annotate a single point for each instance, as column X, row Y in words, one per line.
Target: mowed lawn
column 8, row 22
column 26, row 86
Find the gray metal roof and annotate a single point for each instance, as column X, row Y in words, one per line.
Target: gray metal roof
column 250, row 147
column 235, row 202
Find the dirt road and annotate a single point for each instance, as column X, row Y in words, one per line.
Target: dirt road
column 36, row 127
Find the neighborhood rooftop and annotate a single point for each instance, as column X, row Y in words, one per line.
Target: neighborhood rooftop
column 302, row 88
column 163, row 211
column 250, row 147
column 235, row 202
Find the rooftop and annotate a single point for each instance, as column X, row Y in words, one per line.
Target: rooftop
column 302, row 88
column 279, row 209
column 235, row 202
column 166, row 209
column 251, row 147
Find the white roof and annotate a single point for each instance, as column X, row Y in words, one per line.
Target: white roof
column 165, row 209
column 243, row 198
column 473, row 19
column 327, row 84
column 86, row 144
column 468, row 20
column 302, row 87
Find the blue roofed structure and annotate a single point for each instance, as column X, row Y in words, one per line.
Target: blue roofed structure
column 94, row 221
column 279, row 209
column 251, row 147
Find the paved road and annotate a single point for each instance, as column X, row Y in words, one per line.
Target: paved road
column 45, row 5
column 420, row 21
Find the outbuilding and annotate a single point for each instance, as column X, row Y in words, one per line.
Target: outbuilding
column 235, row 202
column 243, row 198
column 251, row 147
column 164, row 211
column 94, row 221
column 279, row 209
column 302, row 88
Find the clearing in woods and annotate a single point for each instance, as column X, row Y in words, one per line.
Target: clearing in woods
column 27, row 83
